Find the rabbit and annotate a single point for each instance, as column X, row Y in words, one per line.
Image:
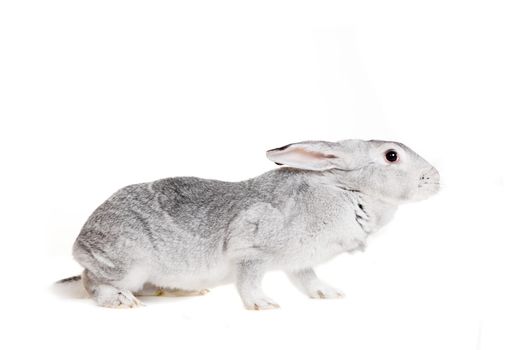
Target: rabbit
column 183, row 235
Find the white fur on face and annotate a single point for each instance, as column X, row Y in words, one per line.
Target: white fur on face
column 410, row 178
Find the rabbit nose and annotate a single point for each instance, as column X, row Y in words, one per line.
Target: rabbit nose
column 431, row 174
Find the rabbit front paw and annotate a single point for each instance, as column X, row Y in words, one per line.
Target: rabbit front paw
column 261, row 304
column 325, row 292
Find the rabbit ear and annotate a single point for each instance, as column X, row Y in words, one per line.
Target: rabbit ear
column 309, row 155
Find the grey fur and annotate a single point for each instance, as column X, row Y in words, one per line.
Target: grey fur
column 189, row 233
column 70, row 279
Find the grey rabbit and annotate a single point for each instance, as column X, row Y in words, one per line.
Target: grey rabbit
column 182, row 235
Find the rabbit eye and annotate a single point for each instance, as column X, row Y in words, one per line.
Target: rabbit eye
column 391, row 156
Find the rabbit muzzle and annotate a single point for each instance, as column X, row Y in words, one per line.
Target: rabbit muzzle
column 428, row 184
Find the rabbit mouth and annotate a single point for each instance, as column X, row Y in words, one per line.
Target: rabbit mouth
column 427, row 189
column 427, row 184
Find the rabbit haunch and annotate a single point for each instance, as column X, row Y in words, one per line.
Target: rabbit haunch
column 189, row 233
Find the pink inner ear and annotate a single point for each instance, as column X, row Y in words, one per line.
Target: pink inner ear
column 304, row 156
column 301, row 157
column 311, row 154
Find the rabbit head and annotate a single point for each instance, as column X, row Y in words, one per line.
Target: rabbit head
column 389, row 171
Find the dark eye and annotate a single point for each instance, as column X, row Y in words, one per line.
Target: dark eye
column 391, row 156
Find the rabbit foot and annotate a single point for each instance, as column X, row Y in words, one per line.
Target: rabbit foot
column 325, row 292
column 150, row 290
column 122, row 300
column 180, row 292
column 261, row 304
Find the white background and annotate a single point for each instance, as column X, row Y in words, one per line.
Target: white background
column 96, row 95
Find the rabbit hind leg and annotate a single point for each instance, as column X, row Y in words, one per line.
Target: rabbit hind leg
column 152, row 290
column 107, row 295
